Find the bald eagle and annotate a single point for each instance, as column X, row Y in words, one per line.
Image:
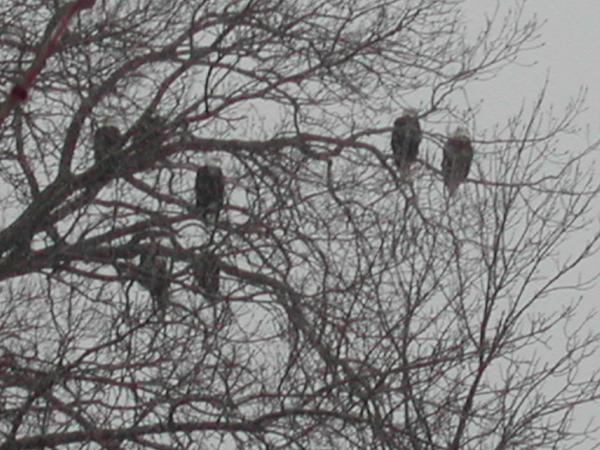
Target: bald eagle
column 406, row 137
column 153, row 275
column 207, row 273
column 151, row 133
column 458, row 155
column 210, row 192
column 107, row 141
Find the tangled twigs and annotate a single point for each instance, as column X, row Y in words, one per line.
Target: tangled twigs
column 20, row 90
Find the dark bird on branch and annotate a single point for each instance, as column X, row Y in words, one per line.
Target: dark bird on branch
column 458, row 155
column 153, row 275
column 151, row 133
column 107, row 143
column 406, row 137
column 210, row 191
column 207, row 272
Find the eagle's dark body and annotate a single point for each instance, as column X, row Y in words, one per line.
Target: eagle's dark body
column 150, row 135
column 458, row 155
column 406, row 138
column 153, row 275
column 107, row 142
column 210, row 192
column 208, row 273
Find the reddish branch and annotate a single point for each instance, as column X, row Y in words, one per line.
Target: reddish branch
column 20, row 90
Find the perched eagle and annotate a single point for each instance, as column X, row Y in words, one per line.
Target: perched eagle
column 153, row 275
column 107, row 142
column 210, row 192
column 458, row 154
column 406, row 137
column 207, row 273
column 151, row 133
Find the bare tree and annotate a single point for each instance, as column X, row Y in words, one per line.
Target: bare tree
column 332, row 302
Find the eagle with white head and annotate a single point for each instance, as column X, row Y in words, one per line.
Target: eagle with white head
column 458, row 156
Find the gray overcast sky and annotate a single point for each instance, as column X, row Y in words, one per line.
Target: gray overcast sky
column 570, row 58
column 572, row 50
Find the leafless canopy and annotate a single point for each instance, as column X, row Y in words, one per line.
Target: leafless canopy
column 355, row 308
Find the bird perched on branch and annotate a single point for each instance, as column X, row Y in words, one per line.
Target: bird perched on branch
column 458, row 155
column 210, row 190
column 207, row 273
column 107, row 143
column 153, row 275
column 151, row 133
column 406, row 138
